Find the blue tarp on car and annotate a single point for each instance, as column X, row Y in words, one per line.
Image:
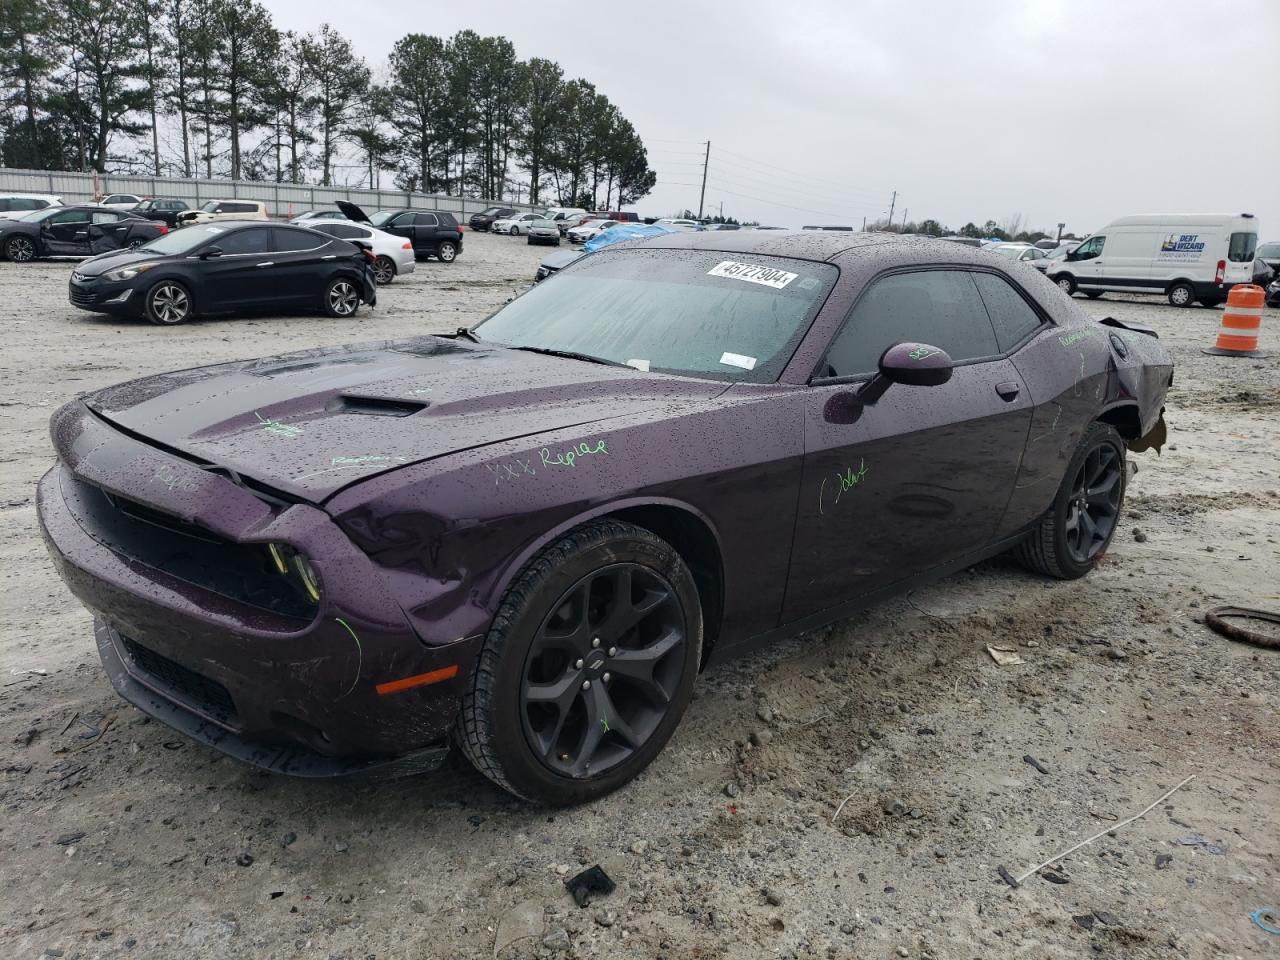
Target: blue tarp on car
column 624, row 231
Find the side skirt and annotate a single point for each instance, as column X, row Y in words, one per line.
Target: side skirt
column 724, row 652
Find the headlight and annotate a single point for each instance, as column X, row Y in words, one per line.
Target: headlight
column 293, row 566
column 128, row 273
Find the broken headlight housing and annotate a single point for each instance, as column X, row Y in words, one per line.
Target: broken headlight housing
column 293, row 565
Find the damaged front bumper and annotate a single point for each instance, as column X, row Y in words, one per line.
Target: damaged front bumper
column 204, row 647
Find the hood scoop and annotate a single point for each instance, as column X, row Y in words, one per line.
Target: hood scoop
column 375, row 406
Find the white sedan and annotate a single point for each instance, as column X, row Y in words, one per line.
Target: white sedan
column 587, row 230
column 515, row 225
column 392, row 255
column 121, row 201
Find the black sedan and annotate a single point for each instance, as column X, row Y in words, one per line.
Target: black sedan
column 227, row 267
column 161, row 209
column 79, row 231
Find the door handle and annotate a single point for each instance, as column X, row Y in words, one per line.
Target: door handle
column 332, row 256
column 269, row 263
column 1008, row 390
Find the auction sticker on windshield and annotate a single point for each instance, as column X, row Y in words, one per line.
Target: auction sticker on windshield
column 752, row 273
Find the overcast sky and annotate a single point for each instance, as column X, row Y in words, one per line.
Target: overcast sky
column 817, row 110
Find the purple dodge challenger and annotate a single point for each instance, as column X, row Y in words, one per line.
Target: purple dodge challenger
column 528, row 538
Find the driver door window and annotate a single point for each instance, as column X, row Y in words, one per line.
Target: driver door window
column 1090, row 249
column 939, row 307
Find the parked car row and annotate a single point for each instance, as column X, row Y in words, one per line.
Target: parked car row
column 79, row 231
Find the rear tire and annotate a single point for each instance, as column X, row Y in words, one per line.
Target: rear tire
column 1077, row 528
column 1182, row 295
column 384, row 271
column 1066, row 283
column 1094, row 294
column 568, row 621
column 341, row 298
column 447, row 252
column 168, row 303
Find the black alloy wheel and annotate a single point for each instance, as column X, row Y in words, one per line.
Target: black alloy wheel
column 1075, row 531
column 587, row 668
column 384, row 271
column 602, row 670
column 20, row 249
column 1094, row 503
column 135, row 243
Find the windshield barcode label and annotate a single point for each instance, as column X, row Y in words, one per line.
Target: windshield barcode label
column 752, row 273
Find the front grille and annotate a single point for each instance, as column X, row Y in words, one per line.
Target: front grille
column 81, row 298
column 239, row 571
column 196, row 690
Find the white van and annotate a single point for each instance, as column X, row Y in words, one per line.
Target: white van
column 1186, row 258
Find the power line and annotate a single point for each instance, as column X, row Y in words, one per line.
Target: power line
column 821, row 197
column 807, row 177
column 824, row 213
column 744, row 170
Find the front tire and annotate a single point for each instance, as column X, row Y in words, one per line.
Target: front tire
column 1077, row 528
column 341, row 298
column 1066, row 283
column 384, row 271
column 588, row 666
column 447, row 252
column 515, row 231
column 168, row 303
column 1182, row 295
column 19, row 250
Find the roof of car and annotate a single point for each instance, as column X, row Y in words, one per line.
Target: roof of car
column 821, row 245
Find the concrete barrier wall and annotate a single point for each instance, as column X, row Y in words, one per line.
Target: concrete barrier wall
column 283, row 199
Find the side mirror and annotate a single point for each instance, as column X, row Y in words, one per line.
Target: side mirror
column 210, row 252
column 912, row 364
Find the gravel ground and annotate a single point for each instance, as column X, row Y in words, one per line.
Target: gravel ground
column 122, row 839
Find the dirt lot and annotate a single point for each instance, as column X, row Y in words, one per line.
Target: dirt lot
column 122, row 839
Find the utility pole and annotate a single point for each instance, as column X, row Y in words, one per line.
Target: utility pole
column 703, row 195
column 904, row 219
column 1060, row 226
column 891, row 204
column 864, row 224
column 721, row 210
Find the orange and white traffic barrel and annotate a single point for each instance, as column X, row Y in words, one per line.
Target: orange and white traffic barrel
column 1241, row 323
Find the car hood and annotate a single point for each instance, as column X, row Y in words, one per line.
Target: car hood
column 309, row 424
column 561, row 259
column 105, row 262
column 351, row 211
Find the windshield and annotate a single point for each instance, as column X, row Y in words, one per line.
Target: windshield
column 1057, row 253
column 686, row 312
column 184, row 240
column 35, row 216
column 545, row 225
column 381, row 217
column 1269, row 250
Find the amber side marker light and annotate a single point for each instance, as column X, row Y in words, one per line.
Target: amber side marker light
column 417, row 680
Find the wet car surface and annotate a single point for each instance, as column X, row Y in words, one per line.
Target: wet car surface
column 374, row 515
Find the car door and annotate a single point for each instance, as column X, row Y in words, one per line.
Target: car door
column 426, row 233
column 243, row 276
column 402, row 225
column 922, row 476
column 66, row 233
column 1087, row 264
column 108, row 230
column 301, row 259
